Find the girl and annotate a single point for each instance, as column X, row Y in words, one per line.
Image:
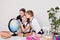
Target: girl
column 25, row 26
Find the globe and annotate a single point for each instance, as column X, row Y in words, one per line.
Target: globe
column 13, row 26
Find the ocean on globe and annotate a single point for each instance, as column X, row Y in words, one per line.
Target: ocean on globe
column 14, row 25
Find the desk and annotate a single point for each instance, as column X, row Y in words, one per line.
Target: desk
column 24, row 38
column 14, row 38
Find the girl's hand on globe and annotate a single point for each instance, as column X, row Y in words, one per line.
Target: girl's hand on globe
column 20, row 23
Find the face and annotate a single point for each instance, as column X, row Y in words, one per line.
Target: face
column 27, row 15
column 24, row 19
column 21, row 13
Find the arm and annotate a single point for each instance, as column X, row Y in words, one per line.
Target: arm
column 24, row 29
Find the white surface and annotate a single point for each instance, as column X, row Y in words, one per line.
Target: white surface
column 14, row 38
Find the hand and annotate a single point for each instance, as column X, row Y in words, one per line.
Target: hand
column 20, row 34
column 14, row 18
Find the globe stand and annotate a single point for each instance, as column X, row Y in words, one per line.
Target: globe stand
column 14, row 34
column 11, row 27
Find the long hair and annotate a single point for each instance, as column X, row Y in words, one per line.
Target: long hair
column 28, row 20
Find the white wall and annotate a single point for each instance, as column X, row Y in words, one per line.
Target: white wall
column 10, row 9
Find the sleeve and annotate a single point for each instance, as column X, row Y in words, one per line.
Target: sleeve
column 19, row 17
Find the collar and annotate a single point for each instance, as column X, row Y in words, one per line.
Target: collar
column 31, row 19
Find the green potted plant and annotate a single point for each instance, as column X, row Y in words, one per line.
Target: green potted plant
column 54, row 22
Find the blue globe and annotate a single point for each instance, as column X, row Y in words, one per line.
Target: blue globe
column 13, row 25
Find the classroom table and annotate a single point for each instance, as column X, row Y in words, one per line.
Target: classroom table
column 14, row 38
